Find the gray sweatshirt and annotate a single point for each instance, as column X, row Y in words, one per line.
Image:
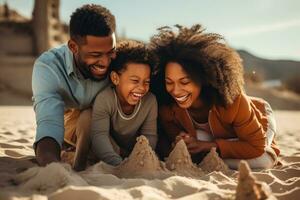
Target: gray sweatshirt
column 108, row 120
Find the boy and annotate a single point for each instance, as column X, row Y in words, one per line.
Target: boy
column 126, row 109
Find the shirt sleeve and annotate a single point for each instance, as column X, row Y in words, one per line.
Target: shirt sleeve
column 149, row 127
column 250, row 133
column 101, row 144
column 48, row 103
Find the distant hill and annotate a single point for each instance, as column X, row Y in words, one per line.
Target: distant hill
column 270, row 69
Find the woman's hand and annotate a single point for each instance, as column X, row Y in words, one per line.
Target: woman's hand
column 197, row 146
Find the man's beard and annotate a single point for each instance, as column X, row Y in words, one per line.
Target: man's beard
column 85, row 70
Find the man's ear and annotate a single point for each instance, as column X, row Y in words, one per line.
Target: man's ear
column 114, row 77
column 73, row 46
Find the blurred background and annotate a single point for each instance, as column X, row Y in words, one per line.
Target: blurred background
column 264, row 32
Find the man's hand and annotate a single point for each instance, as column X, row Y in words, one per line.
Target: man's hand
column 47, row 151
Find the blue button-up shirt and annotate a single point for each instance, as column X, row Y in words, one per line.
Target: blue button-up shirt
column 57, row 85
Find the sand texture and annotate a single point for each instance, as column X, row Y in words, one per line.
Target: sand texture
column 142, row 175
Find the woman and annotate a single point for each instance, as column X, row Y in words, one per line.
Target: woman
column 199, row 88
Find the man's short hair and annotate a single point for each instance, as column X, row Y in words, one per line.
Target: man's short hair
column 91, row 19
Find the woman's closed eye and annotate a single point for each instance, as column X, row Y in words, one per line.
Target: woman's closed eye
column 185, row 81
column 168, row 82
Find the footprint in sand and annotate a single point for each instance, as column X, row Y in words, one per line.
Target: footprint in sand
column 13, row 153
column 21, row 141
column 10, row 146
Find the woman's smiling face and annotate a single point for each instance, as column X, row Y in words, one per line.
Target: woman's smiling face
column 180, row 86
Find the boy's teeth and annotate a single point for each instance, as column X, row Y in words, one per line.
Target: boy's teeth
column 181, row 98
column 136, row 94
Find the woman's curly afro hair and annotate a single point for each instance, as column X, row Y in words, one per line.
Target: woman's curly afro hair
column 204, row 57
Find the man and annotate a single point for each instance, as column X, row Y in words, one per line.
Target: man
column 65, row 81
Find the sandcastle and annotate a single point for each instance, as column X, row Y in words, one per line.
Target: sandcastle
column 142, row 162
column 248, row 187
column 180, row 162
column 212, row 162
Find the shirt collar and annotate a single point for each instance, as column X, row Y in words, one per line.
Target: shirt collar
column 70, row 64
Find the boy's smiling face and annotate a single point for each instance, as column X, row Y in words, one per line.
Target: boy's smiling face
column 132, row 83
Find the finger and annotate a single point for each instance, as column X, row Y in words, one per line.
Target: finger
column 189, row 139
column 178, row 138
column 182, row 134
column 191, row 145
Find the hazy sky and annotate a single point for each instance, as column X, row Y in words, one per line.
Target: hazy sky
column 266, row 28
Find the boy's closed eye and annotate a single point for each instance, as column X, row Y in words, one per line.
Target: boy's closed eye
column 134, row 80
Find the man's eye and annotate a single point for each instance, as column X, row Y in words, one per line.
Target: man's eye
column 134, row 80
column 147, row 82
column 95, row 55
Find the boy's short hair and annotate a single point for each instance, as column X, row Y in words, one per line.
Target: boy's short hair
column 91, row 19
column 132, row 51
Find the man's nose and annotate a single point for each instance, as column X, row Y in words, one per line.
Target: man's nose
column 104, row 60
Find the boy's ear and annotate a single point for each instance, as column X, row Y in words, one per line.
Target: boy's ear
column 114, row 77
column 73, row 46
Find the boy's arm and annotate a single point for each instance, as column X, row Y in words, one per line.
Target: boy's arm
column 100, row 128
column 49, row 110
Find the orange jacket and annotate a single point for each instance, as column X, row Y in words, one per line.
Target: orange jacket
column 245, row 119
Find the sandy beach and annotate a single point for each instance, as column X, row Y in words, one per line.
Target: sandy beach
column 58, row 181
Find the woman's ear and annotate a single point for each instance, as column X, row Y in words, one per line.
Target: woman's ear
column 114, row 77
column 73, row 46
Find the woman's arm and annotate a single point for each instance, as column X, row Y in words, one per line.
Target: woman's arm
column 249, row 130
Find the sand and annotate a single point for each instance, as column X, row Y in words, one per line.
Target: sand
column 177, row 178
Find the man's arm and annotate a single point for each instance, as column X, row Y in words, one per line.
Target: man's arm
column 49, row 110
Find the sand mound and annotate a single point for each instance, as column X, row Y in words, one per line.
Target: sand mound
column 48, row 179
column 249, row 188
column 142, row 162
column 212, row 162
column 180, row 162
